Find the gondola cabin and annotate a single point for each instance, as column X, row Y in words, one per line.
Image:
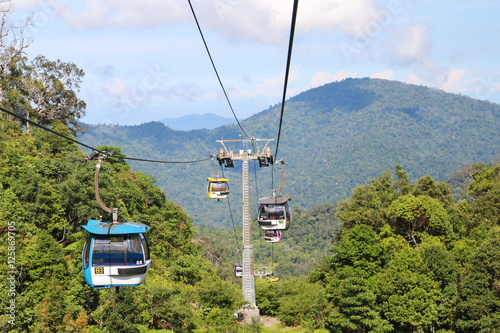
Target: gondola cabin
column 238, row 270
column 272, row 236
column 115, row 254
column 218, row 188
column 274, row 213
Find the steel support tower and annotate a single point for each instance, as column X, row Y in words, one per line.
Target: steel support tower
column 227, row 157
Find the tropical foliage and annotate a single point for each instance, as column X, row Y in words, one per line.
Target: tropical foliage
column 400, row 254
column 46, row 194
column 420, row 263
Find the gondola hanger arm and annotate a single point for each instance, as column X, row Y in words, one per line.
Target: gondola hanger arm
column 280, row 163
column 114, row 211
column 212, row 166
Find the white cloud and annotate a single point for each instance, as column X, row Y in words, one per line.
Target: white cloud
column 321, row 78
column 413, row 78
column 184, row 90
column 117, row 88
column 22, row 4
column 351, row 16
column 451, row 80
column 410, row 44
column 256, row 21
column 387, row 75
column 260, row 21
column 125, row 13
column 269, row 85
column 272, row 86
column 342, row 75
column 269, row 21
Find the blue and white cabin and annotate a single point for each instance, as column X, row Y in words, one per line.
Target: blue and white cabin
column 115, row 254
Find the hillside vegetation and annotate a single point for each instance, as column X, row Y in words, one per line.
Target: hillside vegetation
column 407, row 258
column 398, row 253
column 46, row 194
column 334, row 137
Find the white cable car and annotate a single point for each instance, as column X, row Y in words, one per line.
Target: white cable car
column 274, row 213
column 218, row 188
column 238, row 270
column 273, row 236
column 115, row 254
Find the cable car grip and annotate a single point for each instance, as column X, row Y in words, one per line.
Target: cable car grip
column 280, row 163
column 114, row 211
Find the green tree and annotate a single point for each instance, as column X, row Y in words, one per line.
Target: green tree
column 427, row 186
column 444, row 270
column 479, row 306
column 45, row 91
column 412, row 216
column 302, row 303
column 167, row 305
column 485, row 189
column 351, row 285
column 215, row 292
column 407, row 295
column 364, row 207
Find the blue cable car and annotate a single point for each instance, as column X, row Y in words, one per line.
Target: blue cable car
column 115, row 254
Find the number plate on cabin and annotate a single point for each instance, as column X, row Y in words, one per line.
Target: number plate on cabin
column 99, row 270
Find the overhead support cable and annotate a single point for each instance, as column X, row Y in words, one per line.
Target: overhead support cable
column 14, row 114
column 289, row 58
column 231, row 213
column 255, row 172
column 215, row 68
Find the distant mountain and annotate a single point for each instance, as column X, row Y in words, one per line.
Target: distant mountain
column 196, row 121
column 334, row 137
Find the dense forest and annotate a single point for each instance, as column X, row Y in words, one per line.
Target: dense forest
column 406, row 257
column 404, row 252
column 46, row 195
column 334, row 138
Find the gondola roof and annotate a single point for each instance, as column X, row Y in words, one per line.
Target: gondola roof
column 120, row 228
column 274, row 200
column 217, row 179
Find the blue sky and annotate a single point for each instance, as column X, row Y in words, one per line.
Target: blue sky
column 145, row 60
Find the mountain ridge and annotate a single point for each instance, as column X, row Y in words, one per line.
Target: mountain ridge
column 334, row 137
column 197, row 121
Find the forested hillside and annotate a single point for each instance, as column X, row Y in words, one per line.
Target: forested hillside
column 46, row 194
column 400, row 253
column 408, row 258
column 299, row 252
column 334, row 137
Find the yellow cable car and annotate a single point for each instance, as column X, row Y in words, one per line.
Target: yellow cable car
column 218, row 188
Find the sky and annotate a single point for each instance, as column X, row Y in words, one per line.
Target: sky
column 145, row 60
